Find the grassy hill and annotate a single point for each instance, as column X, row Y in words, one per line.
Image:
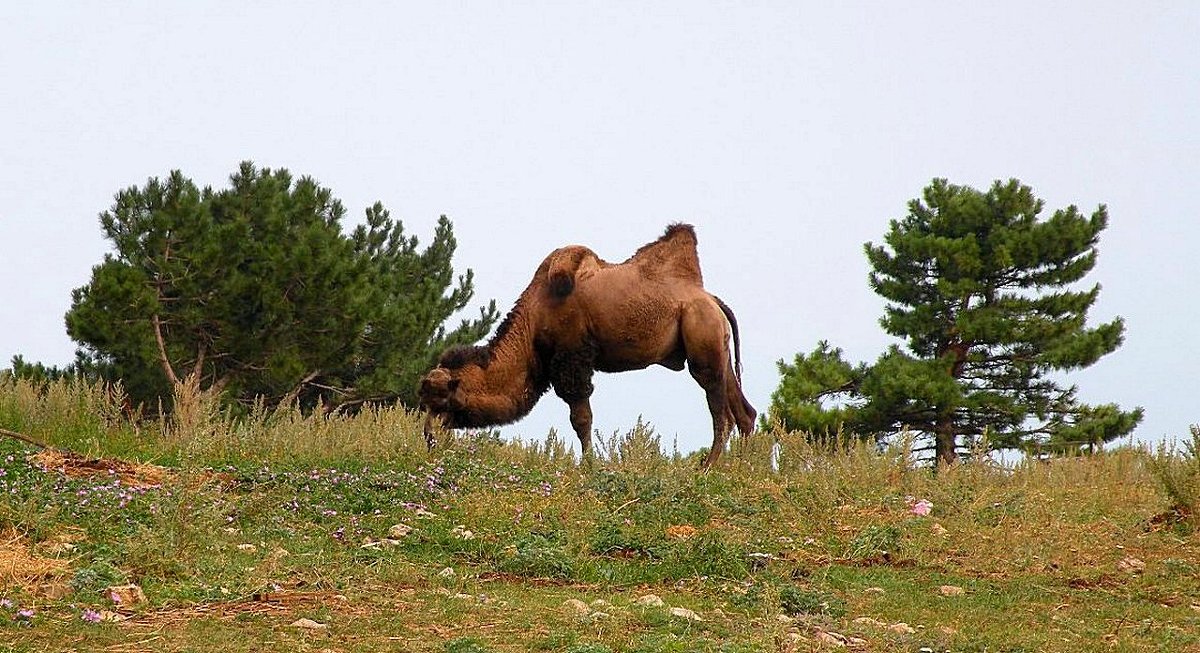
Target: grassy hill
column 278, row 531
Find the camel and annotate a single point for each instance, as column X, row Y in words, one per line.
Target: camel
column 580, row 315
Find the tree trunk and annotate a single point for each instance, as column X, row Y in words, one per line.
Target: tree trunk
column 944, row 441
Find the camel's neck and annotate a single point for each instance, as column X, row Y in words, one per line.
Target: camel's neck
column 512, row 381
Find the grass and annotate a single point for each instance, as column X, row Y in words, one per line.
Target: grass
column 237, row 528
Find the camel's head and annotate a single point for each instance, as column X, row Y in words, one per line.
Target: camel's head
column 440, row 397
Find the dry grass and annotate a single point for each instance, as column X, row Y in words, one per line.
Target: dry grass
column 20, row 567
column 72, row 465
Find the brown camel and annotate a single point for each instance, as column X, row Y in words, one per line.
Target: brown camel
column 581, row 314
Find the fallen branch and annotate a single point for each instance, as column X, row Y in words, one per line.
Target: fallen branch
column 25, row 438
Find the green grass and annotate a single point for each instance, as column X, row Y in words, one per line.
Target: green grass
column 266, row 519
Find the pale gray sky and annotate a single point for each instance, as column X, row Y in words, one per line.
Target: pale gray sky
column 789, row 133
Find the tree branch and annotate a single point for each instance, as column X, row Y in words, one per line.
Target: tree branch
column 25, row 438
column 162, row 351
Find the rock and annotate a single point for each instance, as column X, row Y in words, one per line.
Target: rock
column 868, row 621
column 56, row 590
column 398, row 531
column 902, row 628
column 125, row 595
column 951, row 590
column 247, row 548
column 308, row 624
column 684, row 613
column 575, row 606
column 447, row 572
column 651, row 600
column 830, row 638
column 600, row 603
column 1131, row 565
column 462, row 533
column 938, row 529
column 422, row 513
column 682, row 532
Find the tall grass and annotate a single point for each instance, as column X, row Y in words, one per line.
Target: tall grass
column 70, row 413
column 783, row 525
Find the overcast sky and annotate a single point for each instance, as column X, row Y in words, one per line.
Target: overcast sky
column 788, row 133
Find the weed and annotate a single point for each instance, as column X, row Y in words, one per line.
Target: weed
column 1178, row 473
column 875, row 541
column 465, row 645
column 795, row 601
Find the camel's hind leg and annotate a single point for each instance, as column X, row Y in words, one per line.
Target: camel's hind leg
column 741, row 412
column 706, row 344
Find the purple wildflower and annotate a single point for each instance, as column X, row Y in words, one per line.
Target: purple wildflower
column 91, row 616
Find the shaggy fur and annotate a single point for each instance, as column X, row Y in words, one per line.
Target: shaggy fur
column 581, row 314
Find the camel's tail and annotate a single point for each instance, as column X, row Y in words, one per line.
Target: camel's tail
column 737, row 341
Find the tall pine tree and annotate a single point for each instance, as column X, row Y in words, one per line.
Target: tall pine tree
column 255, row 291
column 983, row 291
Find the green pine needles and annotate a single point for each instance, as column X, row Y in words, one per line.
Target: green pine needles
column 254, row 291
column 985, row 293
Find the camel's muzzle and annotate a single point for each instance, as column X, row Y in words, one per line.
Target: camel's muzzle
column 427, row 429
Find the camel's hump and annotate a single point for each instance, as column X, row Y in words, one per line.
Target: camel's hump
column 673, row 254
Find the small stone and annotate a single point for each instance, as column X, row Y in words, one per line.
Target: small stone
column 652, row 600
column 783, row 619
column 125, row 595
column 902, row 628
column 577, row 607
column 681, row 532
column 308, row 624
column 600, row 603
column 868, row 621
column 447, row 572
column 422, row 513
column 600, row 615
column 951, row 590
column 398, row 531
column 108, row 615
column 462, row 532
column 684, row 613
column 247, row 548
column 463, row 597
column 938, row 529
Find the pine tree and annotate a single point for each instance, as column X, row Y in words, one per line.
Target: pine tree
column 255, row 291
column 983, row 291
